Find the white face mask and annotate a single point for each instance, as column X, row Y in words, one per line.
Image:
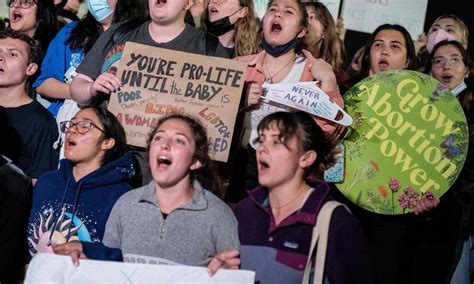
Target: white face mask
column 100, row 9
column 459, row 88
column 436, row 37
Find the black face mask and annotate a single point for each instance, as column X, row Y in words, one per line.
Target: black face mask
column 221, row 26
column 278, row 50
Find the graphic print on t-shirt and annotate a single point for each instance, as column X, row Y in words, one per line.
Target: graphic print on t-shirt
column 112, row 59
column 52, row 227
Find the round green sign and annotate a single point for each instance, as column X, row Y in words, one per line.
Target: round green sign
column 408, row 141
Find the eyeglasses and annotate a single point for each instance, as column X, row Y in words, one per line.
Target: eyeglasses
column 24, row 4
column 452, row 60
column 82, row 127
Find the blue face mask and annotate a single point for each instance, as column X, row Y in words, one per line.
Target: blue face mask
column 278, row 50
column 100, row 9
column 459, row 88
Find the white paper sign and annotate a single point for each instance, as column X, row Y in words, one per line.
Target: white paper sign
column 260, row 7
column 50, row 268
column 367, row 15
column 333, row 7
column 308, row 97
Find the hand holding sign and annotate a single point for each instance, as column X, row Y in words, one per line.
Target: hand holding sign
column 407, row 145
column 105, row 83
column 308, row 97
column 157, row 82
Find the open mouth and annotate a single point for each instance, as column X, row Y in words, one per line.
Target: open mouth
column 213, row 14
column 275, row 28
column 161, row 2
column 383, row 64
column 16, row 16
column 70, row 143
column 1, row 70
column 163, row 161
column 446, row 78
column 263, row 165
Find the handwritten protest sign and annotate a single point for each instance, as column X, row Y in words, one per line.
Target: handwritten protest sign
column 161, row 81
column 51, row 268
column 308, row 97
column 367, row 15
column 408, row 141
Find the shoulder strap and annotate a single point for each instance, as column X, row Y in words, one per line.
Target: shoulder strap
column 211, row 44
column 320, row 237
column 124, row 31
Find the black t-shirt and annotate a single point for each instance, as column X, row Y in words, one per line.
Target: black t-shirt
column 15, row 203
column 38, row 131
column 105, row 54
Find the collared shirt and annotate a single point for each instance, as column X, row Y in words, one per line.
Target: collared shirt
column 278, row 253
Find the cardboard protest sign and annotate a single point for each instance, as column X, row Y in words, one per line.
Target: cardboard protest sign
column 408, row 141
column 51, row 268
column 367, row 15
column 161, row 81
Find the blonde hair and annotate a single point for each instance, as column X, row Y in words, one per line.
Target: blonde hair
column 461, row 25
column 247, row 38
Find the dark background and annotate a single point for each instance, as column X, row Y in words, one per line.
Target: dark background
column 461, row 8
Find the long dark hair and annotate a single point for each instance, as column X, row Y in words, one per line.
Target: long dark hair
column 87, row 31
column 206, row 175
column 46, row 23
column 410, row 47
column 84, row 35
column 127, row 10
column 466, row 97
column 112, row 129
column 309, row 136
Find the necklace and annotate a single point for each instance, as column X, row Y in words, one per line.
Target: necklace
column 288, row 203
column 270, row 77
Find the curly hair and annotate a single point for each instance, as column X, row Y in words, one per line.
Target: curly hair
column 309, row 137
column 34, row 48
